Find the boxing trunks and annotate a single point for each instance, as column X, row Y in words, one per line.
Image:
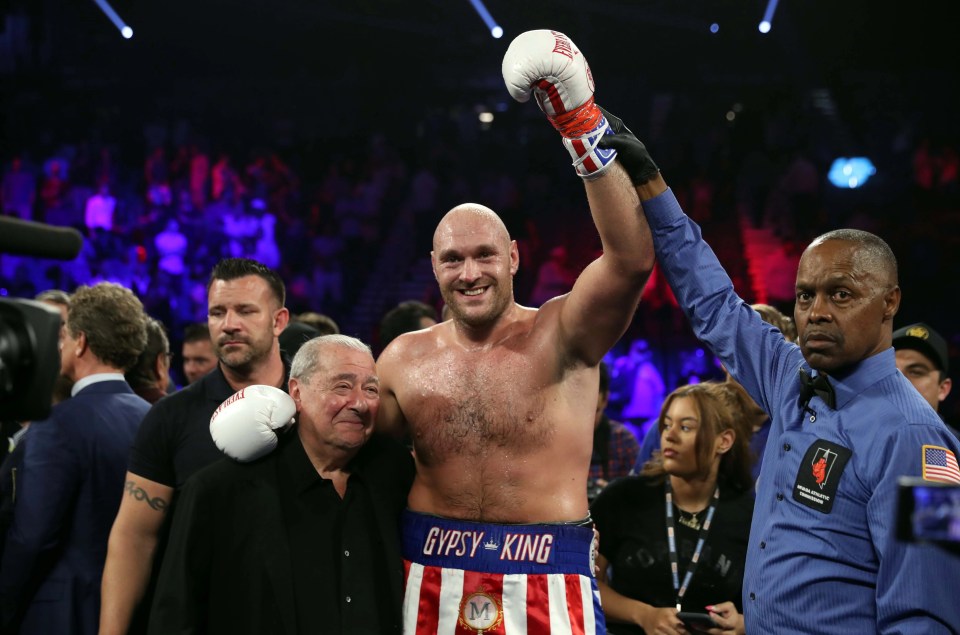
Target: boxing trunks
column 464, row 578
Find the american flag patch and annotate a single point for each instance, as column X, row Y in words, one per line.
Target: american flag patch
column 940, row 464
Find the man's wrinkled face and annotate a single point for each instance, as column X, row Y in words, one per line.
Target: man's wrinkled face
column 338, row 404
column 844, row 307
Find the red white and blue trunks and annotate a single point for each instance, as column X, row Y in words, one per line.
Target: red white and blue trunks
column 465, row 578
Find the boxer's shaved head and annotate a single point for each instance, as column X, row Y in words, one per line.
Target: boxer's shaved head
column 468, row 214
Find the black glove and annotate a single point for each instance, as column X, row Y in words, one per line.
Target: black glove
column 631, row 152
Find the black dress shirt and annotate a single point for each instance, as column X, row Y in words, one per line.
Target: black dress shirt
column 338, row 555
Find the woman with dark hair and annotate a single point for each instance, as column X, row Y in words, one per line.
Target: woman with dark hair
column 674, row 537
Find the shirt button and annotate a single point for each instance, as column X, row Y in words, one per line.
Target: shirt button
column 813, row 418
column 348, row 599
column 786, row 447
column 763, row 545
column 779, row 497
column 346, row 553
column 753, row 596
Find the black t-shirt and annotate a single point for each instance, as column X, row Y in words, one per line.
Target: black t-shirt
column 630, row 515
column 174, row 439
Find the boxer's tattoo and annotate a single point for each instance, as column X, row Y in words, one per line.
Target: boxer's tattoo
column 140, row 494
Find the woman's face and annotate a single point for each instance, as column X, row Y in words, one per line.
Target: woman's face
column 678, row 439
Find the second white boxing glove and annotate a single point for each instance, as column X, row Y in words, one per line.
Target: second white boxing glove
column 549, row 65
column 245, row 426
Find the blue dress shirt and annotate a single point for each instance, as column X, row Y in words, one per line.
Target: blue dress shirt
column 822, row 556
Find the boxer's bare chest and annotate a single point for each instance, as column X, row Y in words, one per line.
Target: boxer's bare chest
column 471, row 403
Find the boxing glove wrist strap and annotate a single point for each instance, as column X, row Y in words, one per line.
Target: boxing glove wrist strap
column 578, row 122
column 589, row 160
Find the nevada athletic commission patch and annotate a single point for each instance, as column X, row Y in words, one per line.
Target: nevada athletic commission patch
column 819, row 475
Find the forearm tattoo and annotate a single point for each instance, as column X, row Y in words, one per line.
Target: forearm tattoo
column 140, row 494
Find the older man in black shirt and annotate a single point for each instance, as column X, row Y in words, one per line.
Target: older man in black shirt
column 305, row 539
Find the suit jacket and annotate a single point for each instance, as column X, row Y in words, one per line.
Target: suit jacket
column 68, row 493
column 227, row 568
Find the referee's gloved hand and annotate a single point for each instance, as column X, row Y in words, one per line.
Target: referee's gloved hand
column 631, row 152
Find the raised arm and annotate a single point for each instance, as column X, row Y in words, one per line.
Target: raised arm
column 749, row 348
column 601, row 305
column 130, row 551
column 548, row 66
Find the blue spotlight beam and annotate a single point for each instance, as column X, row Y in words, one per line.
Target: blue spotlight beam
column 495, row 29
column 118, row 22
column 768, row 16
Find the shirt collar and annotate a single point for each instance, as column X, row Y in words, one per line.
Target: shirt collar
column 298, row 464
column 853, row 381
column 302, row 470
column 219, row 385
column 93, row 379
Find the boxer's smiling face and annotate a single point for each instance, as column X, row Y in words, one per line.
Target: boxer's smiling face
column 474, row 262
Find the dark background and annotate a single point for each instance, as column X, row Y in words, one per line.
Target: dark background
column 314, row 79
column 333, row 67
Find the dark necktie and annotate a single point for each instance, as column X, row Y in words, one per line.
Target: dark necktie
column 819, row 386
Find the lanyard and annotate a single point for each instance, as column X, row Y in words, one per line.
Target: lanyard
column 672, row 542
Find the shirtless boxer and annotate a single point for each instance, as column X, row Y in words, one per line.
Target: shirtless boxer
column 500, row 400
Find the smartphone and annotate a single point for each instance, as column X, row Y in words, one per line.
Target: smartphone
column 928, row 511
column 697, row 620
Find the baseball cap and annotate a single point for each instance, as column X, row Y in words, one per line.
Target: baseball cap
column 294, row 336
column 921, row 337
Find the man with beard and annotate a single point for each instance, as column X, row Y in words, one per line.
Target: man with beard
column 500, row 400
column 246, row 314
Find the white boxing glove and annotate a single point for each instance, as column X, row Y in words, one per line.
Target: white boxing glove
column 548, row 65
column 245, row 426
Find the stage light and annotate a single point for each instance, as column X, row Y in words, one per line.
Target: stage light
column 714, row 28
column 495, row 29
column 486, row 117
column 851, row 173
column 108, row 11
column 767, row 22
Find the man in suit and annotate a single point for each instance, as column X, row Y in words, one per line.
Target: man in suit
column 71, row 479
column 305, row 539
